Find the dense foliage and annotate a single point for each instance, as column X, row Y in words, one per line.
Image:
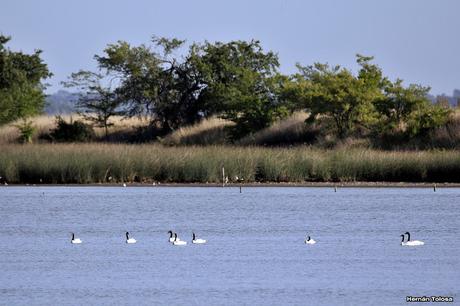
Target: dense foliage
column 174, row 85
column 241, row 82
column 368, row 101
column 73, row 131
column 21, row 87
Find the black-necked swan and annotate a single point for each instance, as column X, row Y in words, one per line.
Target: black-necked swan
column 308, row 240
column 75, row 240
column 410, row 242
column 197, row 241
column 177, row 241
column 130, row 240
column 171, row 236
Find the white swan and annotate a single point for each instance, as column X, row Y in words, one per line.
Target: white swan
column 308, row 240
column 410, row 242
column 130, row 240
column 171, row 236
column 75, row 240
column 197, row 241
column 177, row 241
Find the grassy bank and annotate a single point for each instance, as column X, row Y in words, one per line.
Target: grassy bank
column 104, row 163
column 291, row 131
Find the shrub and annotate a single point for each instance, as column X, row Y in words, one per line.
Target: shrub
column 75, row 131
column 26, row 130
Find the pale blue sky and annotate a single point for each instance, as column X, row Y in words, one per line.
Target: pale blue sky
column 416, row 40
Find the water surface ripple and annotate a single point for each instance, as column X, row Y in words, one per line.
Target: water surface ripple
column 255, row 253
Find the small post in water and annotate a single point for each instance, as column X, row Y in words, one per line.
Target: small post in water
column 240, row 188
column 335, row 188
column 434, row 187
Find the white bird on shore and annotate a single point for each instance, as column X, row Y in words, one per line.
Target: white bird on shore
column 309, row 240
column 130, row 240
column 410, row 242
column 197, row 241
column 75, row 240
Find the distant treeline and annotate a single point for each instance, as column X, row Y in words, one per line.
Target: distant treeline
column 236, row 80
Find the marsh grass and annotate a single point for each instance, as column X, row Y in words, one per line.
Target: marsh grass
column 110, row 163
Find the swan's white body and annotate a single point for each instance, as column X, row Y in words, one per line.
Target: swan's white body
column 179, row 242
column 199, row 241
column 75, row 240
column 410, row 242
column 413, row 243
column 130, row 240
column 310, row 241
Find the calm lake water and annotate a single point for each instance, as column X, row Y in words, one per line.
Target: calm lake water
column 255, row 253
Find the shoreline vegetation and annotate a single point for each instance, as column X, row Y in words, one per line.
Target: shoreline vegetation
column 149, row 163
column 181, row 119
column 332, row 185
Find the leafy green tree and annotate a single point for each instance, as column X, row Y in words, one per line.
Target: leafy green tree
column 237, row 80
column 241, row 82
column 399, row 103
column 336, row 93
column 74, row 131
column 21, row 87
column 26, row 130
column 152, row 82
column 96, row 102
column 426, row 118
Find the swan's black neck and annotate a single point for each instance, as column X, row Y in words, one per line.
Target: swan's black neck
column 308, row 238
column 127, row 236
column 170, row 234
column 408, row 236
column 402, row 236
column 73, row 236
column 193, row 234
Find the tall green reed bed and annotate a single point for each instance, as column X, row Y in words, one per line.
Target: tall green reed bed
column 104, row 163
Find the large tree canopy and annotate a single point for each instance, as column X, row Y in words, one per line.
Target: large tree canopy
column 236, row 80
column 337, row 93
column 240, row 82
column 154, row 83
column 21, row 87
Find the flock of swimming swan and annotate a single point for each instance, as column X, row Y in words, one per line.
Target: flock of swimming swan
column 409, row 242
column 175, row 240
